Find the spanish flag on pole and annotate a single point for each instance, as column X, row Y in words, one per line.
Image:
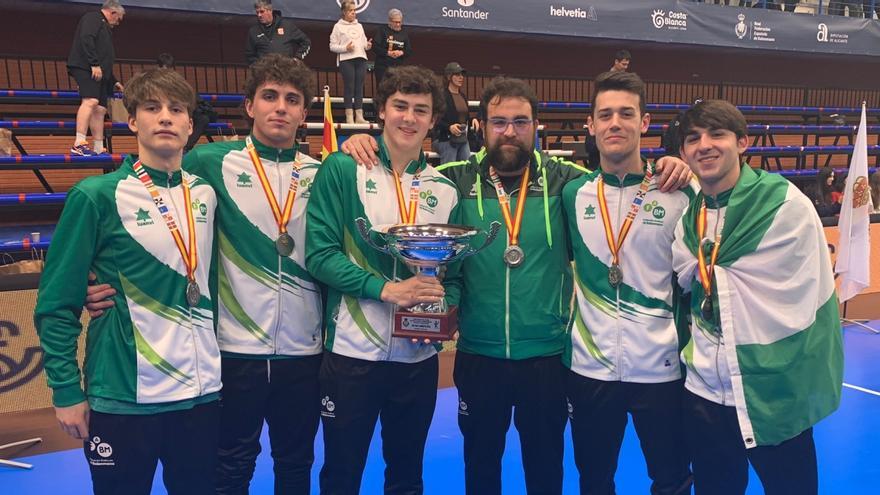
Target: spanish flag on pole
column 328, row 144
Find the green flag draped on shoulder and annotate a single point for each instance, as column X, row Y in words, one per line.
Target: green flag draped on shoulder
column 777, row 309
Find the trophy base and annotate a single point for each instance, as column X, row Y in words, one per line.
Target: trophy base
column 432, row 326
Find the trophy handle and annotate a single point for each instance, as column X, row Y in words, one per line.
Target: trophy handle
column 365, row 234
column 494, row 227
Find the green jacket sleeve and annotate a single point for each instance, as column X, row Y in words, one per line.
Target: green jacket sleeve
column 329, row 232
column 62, row 293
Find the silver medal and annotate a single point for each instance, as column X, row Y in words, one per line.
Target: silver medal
column 284, row 244
column 514, row 256
column 707, row 309
column 615, row 275
column 193, row 294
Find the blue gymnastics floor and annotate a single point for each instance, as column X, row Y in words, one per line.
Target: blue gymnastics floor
column 848, row 444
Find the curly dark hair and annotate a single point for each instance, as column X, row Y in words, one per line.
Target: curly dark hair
column 409, row 80
column 282, row 70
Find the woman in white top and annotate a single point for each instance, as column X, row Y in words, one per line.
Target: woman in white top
column 350, row 45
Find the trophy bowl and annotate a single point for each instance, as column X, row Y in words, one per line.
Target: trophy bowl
column 426, row 247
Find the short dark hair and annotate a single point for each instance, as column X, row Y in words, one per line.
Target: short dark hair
column 622, row 55
column 158, row 83
column 411, row 80
column 165, row 61
column 280, row 69
column 620, row 81
column 714, row 115
column 507, row 87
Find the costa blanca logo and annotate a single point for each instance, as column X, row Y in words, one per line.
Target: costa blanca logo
column 359, row 5
column 741, row 28
column 657, row 18
column 671, row 20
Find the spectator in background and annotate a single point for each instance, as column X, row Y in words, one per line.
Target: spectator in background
column 203, row 114
column 450, row 135
column 869, row 12
column 5, row 142
column 621, row 61
column 90, row 64
column 827, row 201
column 392, row 45
column 273, row 34
column 875, row 192
column 836, row 7
column 350, row 45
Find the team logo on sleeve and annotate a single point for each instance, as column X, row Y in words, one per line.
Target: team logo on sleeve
column 861, row 192
column 589, row 212
column 244, row 180
column 142, row 218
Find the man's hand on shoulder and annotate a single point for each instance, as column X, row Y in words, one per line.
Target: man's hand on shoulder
column 674, row 173
column 362, row 148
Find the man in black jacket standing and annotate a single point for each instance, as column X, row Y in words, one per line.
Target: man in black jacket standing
column 274, row 34
column 391, row 45
column 90, row 64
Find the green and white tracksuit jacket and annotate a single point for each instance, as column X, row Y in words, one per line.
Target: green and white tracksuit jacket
column 629, row 333
column 774, row 350
column 516, row 313
column 358, row 323
column 268, row 305
column 150, row 352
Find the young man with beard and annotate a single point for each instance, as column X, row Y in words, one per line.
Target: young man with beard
column 152, row 367
column 269, row 307
column 367, row 374
column 765, row 359
column 509, row 366
column 622, row 351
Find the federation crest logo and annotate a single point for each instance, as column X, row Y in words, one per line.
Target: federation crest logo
column 861, row 192
column 741, row 29
column 359, row 5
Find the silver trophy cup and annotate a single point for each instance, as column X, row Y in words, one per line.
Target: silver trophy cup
column 427, row 247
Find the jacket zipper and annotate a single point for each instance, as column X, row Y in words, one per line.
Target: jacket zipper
column 279, row 279
column 192, row 331
column 619, row 366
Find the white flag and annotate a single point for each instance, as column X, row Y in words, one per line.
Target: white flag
column 853, row 257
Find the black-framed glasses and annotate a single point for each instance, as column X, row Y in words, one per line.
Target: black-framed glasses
column 499, row 125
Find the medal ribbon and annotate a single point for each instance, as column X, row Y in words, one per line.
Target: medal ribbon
column 281, row 216
column 190, row 257
column 513, row 225
column 706, row 271
column 408, row 215
column 634, row 208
